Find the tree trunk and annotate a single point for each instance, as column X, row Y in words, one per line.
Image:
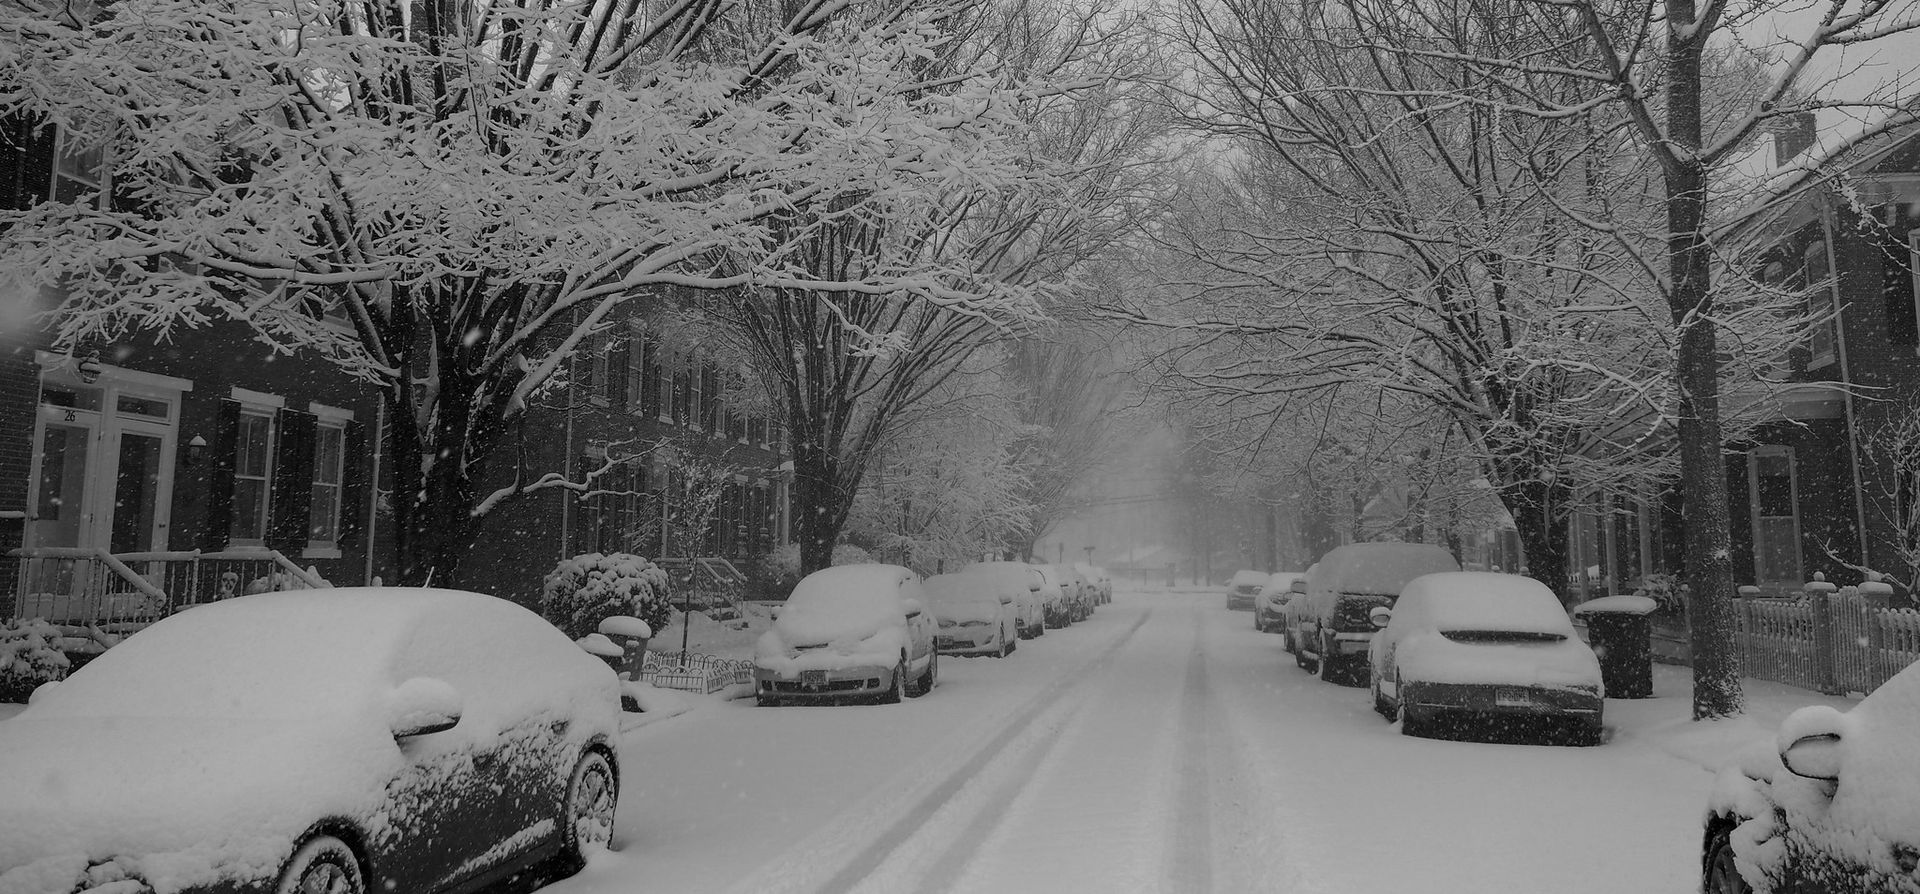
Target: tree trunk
column 1710, row 610
column 1540, row 520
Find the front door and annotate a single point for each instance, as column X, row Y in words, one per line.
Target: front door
column 103, row 463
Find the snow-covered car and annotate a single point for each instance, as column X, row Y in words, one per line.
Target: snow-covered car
column 1024, row 583
column 1484, row 644
column 1270, row 604
column 1243, row 588
column 352, row 740
column 1331, row 631
column 1060, row 610
column 849, row 631
column 1293, row 614
column 1098, row 577
column 1079, row 590
column 976, row 616
column 1831, row 805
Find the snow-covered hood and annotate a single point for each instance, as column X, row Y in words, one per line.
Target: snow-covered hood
column 883, row 648
column 1431, row 657
column 959, row 611
column 179, row 801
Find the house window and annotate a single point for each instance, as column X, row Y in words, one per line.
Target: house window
column 682, row 392
column 252, row 475
column 76, row 172
column 709, row 399
column 650, row 377
column 615, row 380
column 1776, row 520
column 1820, row 304
column 329, row 468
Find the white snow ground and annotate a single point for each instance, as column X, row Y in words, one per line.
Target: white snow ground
column 1162, row 746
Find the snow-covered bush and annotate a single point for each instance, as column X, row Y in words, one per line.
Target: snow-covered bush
column 582, row 591
column 29, row 656
column 775, row 575
column 1668, row 593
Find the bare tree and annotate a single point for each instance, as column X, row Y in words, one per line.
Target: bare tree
column 450, row 198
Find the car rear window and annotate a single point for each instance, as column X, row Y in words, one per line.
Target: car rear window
column 1501, row 636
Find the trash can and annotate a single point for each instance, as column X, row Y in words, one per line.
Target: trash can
column 1620, row 630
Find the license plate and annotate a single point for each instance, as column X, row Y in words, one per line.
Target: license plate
column 813, row 678
column 1510, row 697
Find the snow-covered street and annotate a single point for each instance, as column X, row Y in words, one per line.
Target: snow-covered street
column 1163, row 746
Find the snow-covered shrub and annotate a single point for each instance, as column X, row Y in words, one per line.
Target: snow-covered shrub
column 1668, row 593
column 29, row 656
column 582, row 591
column 775, row 575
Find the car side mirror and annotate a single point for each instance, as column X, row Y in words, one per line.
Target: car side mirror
column 1809, row 742
column 423, row 705
column 1298, row 586
column 1380, row 616
column 41, row 690
column 776, row 611
column 914, row 608
column 1006, row 598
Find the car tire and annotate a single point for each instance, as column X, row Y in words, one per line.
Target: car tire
column 898, row 691
column 1380, row 705
column 1718, row 874
column 1412, row 723
column 587, row 814
column 322, row 863
column 924, row 685
column 1310, row 665
column 1329, row 669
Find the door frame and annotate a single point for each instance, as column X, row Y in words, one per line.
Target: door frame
column 103, row 452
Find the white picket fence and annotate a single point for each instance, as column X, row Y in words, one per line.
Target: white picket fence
column 1826, row 640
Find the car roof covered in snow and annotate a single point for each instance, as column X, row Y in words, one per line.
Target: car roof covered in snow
column 1248, row 578
column 961, row 587
column 847, row 601
column 1379, row 568
column 298, row 651
column 1481, row 601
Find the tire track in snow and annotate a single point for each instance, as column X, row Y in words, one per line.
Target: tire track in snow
column 891, row 836
column 1190, row 858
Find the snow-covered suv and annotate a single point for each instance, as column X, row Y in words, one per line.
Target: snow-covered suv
column 1332, row 631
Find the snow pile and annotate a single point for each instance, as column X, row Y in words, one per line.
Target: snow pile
column 29, row 656
column 585, row 590
column 1632, row 605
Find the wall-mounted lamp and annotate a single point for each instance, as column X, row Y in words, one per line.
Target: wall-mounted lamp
column 90, row 368
column 196, row 451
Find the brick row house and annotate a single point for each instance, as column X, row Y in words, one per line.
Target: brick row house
column 1820, row 487
column 148, row 474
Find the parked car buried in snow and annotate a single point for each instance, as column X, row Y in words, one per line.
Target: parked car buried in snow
column 1243, row 588
column 1491, row 646
column 849, row 631
column 1060, row 610
column 1078, row 588
column 1331, row 631
column 976, row 617
column 1270, row 604
column 1831, row 805
column 345, row 740
column 1024, row 582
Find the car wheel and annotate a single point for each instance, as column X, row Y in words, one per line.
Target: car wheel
column 323, row 865
column 1310, row 665
column 1329, row 669
column 593, row 793
column 924, row 685
column 1719, row 875
column 898, row 690
column 1380, row 705
column 1412, row 723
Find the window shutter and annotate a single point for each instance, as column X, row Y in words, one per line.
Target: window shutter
column 218, row 523
column 292, row 493
column 354, row 485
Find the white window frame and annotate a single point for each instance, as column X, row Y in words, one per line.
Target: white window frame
column 1820, row 358
column 330, row 420
column 1754, row 456
column 263, row 508
column 99, row 181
